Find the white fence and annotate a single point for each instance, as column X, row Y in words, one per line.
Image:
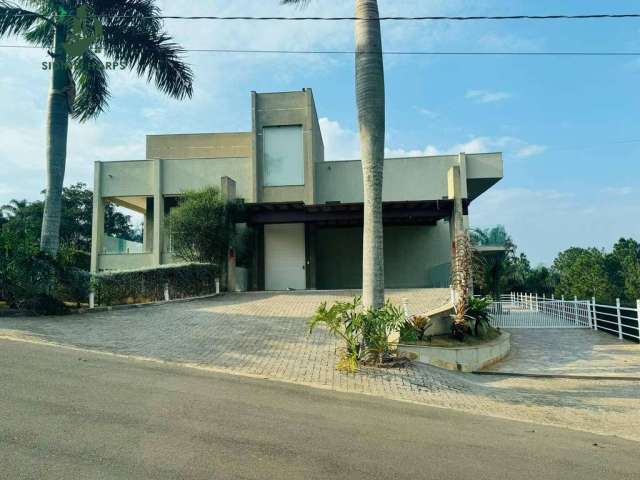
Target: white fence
column 526, row 310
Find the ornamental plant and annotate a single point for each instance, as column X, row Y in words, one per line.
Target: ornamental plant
column 365, row 332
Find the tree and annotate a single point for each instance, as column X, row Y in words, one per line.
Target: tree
column 129, row 32
column 624, row 267
column 22, row 220
column 583, row 273
column 494, row 267
column 201, row 226
column 370, row 94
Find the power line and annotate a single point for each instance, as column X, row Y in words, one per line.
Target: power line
column 387, row 52
column 595, row 16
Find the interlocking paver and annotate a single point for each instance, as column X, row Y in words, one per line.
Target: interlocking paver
column 266, row 334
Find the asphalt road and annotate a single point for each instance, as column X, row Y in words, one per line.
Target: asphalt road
column 67, row 414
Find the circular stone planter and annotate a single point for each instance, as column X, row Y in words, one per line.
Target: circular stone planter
column 463, row 358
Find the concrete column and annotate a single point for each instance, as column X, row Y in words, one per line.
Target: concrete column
column 158, row 213
column 255, row 150
column 148, row 226
column 456, row 192
column 228, row 189
column 97, row 226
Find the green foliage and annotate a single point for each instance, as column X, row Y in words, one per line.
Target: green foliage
column 477, row 314
column 364, row 332
column 378, row 325
column 129, row 32
column 583, row 273
column 202, row 226
column 32, row 281
column 147, row 285
column 22, row 220
column 344, row 320
column 415, row 328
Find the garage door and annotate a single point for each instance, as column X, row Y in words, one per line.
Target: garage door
column 284, row 252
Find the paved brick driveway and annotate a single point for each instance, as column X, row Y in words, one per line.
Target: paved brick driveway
column 265, row 334
column 570, row 352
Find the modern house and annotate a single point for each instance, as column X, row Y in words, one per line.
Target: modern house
column 306, row 211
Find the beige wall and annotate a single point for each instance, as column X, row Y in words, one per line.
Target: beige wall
column 280, row 109
column 423, row 178
column 199, row 145
column 194, row 174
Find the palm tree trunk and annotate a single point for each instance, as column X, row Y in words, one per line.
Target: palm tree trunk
column 371, row 116
column 57, row 129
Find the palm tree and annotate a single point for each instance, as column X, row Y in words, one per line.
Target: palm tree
column 370, row 95
column 129, row 32
column 14, row 208
column 496, row 255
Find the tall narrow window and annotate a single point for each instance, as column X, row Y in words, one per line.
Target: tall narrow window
column 283, row 162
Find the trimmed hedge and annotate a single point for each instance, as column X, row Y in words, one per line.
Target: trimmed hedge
column 147, row 285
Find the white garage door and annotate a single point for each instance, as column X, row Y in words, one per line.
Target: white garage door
column 284, row 252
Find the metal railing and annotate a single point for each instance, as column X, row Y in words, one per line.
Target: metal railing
column 527, row 310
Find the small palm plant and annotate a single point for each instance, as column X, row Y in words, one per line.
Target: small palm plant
column 128, row 32
column 365, row 331
column 477, row 313
column 344, row 320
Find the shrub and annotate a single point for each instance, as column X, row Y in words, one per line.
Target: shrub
column 415, row 328
column 202, row 226
column 144, row 285
column 73, row 285
column 477, row 312
column 43, row 304
column 365, row 332
column 34, row 282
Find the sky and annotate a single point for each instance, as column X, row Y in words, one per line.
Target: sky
column 568, row 126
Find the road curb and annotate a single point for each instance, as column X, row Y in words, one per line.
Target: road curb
column 568, row 377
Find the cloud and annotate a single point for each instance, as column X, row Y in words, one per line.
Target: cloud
column 426, row 112
column 486, row 96
column 343, row 144
column 339, row 143
column 560, row 218
column 530, row 151
column 617, row 191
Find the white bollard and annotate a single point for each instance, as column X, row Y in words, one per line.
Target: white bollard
column 92, row 300
column 166, row 292
column 217, row 286
column 405, row 305
column 619, row 318
column 638, row 313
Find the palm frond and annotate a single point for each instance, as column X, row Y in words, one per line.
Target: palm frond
column 15, row 20
column 139, row 14
column 150, row 54
column 92, row 95
column 301, row 3
column 41, row 34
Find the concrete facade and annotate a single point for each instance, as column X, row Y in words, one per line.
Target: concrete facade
column 418, row 199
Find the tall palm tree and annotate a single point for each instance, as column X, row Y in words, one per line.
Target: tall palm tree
column 129, row 32
column 370, row 95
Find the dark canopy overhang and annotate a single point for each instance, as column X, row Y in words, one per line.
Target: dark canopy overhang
column 424, row 212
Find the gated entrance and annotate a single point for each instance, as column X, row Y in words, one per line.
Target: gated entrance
column 528, row 312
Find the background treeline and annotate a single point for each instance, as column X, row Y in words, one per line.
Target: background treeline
column 581, row 272
column 31, row 280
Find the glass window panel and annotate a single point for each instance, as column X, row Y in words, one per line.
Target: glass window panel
column 283, row 162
